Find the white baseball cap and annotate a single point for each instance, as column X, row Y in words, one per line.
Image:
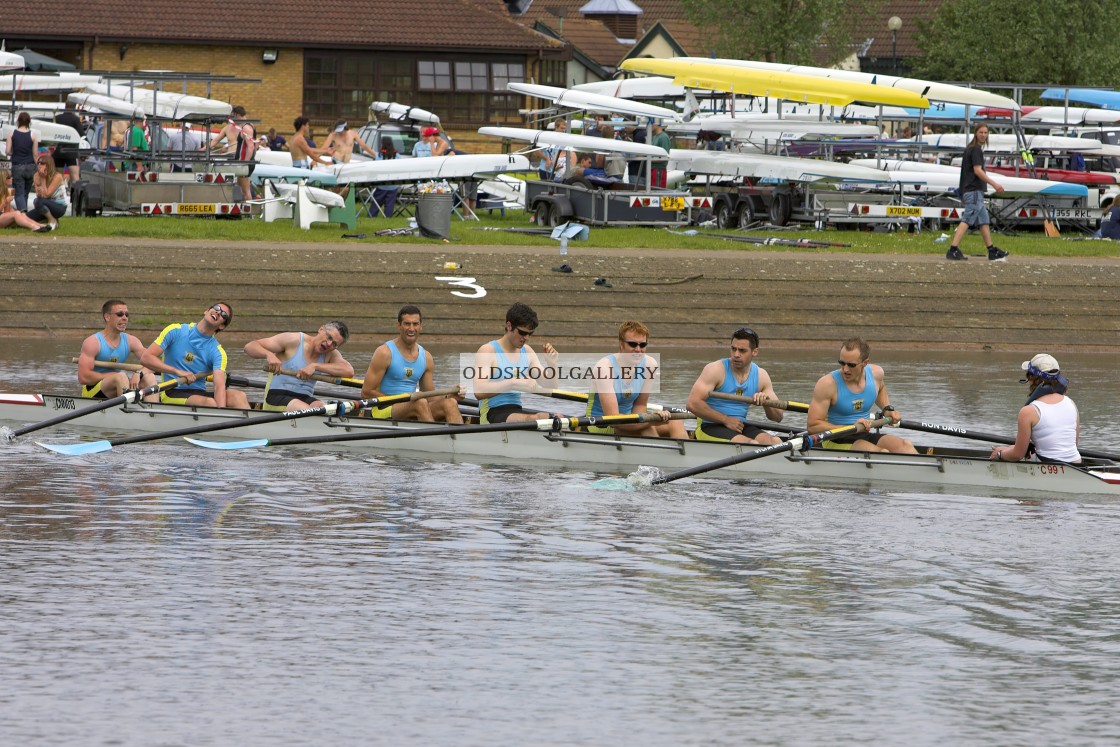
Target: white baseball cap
column 1044, row 363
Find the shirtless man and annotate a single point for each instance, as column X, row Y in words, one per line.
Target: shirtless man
column 303, row 153
column 341, row 142
column 307, row 355
column 846, row 396
column 401, row 366
column 722, row 419
column 240, row 144
column 112, row 345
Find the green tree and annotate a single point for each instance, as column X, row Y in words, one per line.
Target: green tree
column 804, row 32
column 1020, row 41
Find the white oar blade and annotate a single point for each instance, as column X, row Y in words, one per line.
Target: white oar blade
column 87, row 447
column 228, row 445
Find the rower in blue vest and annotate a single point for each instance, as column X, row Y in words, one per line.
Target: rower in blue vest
column 112, row 345
column 725, row 420
column 403, row 366
column 306, row 355
column 622, row 384
column 846, row 396
column 508, row 366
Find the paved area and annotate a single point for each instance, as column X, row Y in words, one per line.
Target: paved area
column 57, row 284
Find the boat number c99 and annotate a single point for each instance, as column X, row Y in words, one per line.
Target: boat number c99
column 1051, row 469
column 65, row 403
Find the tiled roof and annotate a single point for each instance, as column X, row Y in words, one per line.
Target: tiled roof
column 394, row 24
column 590, row 37
column 652, row 12
column 911, row 12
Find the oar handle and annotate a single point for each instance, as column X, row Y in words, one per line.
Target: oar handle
column 338, row 380
column 125, row 366
column 114, row 364
column 778, row 404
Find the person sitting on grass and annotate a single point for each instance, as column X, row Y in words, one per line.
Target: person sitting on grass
column 9, row 216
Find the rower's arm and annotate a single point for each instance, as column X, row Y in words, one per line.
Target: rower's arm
column 86, row 375
column 271, row 348
column 882, row 399
column 824, row 394
column 697, row 403
column 336, row 365
column 766, row 389
column 1028, row 418
column 375, row 372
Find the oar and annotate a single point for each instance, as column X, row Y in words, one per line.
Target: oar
column 956, row 430
column 778, row 404
column 800, row 442
column 138, row 367
column 549, row 424
column 582, row 397
column 329, row 409
column 127, row 398
column 114, row 364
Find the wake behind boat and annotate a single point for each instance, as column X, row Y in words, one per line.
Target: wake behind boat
column 937, row 469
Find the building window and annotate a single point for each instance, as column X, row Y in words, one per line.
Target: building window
column 471, row 76
column 505, row 72
column 554, row 73
column 435, row 75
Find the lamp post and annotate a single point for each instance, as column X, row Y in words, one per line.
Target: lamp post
column 894, row 23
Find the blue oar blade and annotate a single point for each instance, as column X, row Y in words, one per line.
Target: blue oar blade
column 86, row 447
column 229, row 445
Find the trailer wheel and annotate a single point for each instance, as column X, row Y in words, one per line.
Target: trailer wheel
column 780, row 209
column 724, row 219
column 554, row 216
column 541, row 213
column 746, row 214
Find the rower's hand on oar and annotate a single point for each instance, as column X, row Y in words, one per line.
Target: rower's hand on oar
column 305, row 373
column 550, row 354
column 890, row 414
column 272, row 363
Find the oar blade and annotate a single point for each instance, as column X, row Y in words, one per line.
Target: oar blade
column 79, row 449
column 254, row 443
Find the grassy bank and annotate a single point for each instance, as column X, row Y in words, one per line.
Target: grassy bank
column 489, row 231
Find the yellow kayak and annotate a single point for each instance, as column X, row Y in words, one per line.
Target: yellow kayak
column 779, row 85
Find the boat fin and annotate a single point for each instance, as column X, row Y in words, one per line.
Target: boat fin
column 86, row 447
column 229, row 445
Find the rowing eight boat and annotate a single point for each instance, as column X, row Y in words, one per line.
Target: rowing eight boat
column 939, row 470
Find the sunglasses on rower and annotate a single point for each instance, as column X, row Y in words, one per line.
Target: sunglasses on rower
column 119, row 314
column 221, row 312
column 846, row 364
column 635, row 344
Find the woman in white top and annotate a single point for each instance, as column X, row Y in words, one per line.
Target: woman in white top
column 1049, row 420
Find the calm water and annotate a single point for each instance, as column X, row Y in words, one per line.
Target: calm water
column 164, row 595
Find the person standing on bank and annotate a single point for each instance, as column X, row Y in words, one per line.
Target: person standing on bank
column 22, row 148
column 972, row 187
column 1049, row 420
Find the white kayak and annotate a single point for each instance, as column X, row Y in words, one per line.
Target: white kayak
column 401, row 112
column 35, row 82
column 593, row 102
column 100, row 103
column 762, row 166
column 464, row 166
column 269, row 172
column 165, row 104
column 47, row 132
column 540, row 138
column 919, row 176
